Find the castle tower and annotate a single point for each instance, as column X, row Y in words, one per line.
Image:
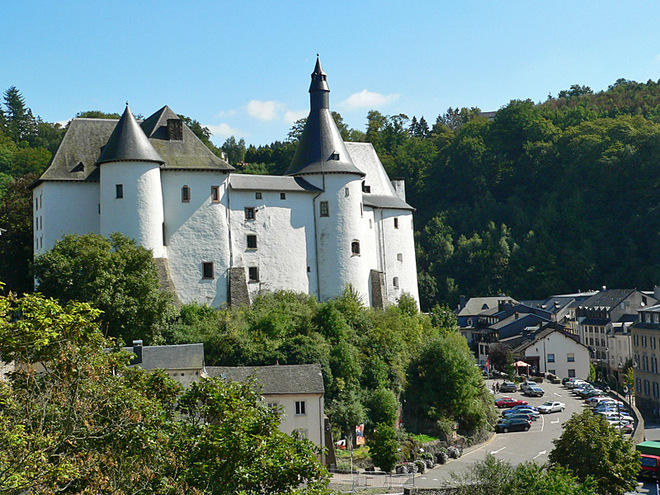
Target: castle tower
column 131, row 197
column 323, row 160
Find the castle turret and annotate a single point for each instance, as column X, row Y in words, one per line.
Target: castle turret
column 131, row 199
column 323, row 160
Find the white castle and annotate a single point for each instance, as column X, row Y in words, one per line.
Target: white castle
column 219, row 237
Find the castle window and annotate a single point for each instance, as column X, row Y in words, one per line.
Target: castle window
column 207, row 270
column 215, row 194
column 324, row 209
column 258, row 195
column 253, row 274
column 361, row 209
column 249, row 213
column 347, row 192
column 282, row 195
column 395, row 282
column 251, row 241
column 119, row 191
column 334, row 156
column 366, row 188
column 355, row 248
column 396, row 223
column 399, row 256
column 185, row 194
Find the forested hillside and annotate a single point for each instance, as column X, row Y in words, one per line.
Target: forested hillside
column 542, row 198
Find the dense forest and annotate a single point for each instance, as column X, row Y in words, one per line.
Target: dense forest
column 540, row 198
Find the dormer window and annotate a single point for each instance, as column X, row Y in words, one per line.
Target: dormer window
column 366, row 188
column 334, row 156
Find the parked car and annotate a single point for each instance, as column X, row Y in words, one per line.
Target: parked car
column 522, row 415
column 534, row 391
column 509, row 402
column 593, row 393
column 596, row 399
column 508, row 387
column 526, row 384
column 574, row 383
column 523, row 406
column 551, row 406
column 512, row 424
column 617, row 415
column 533, row 415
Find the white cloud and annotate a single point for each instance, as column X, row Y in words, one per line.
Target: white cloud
column 224, row 130
column 367, row 99
column 292, row 115
column 264, row 110
column 226, row 113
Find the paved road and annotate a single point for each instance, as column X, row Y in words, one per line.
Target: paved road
column 514, row 447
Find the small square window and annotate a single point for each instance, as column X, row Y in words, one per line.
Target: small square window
column 185, row 194
column 258, row 195
column 355, row 248
column 324, row 209
column 570, row 357
column 395, row 282
column 396, row 223
column 215, row 194
column 300, row 407
column 551, row 358
column 207, row 270
column 282, row 195
column 399, row 256
column 251, row 241
column 119, row 190
column 253, row 274
column 571, row 373
column 249, row 213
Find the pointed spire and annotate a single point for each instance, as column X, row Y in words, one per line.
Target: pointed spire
column 128, row 142
column 321, row 148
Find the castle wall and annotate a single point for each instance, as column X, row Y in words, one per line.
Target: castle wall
column 335, row 234
column 63, row 207
column 284, row 256
column 196, row 232
column 398, row 253
column 138, row 214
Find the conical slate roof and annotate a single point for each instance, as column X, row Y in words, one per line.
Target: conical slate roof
column 128, row 142
column 321, row 148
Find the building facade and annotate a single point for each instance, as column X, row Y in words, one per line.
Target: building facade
column 335, row 218
column 646, row 352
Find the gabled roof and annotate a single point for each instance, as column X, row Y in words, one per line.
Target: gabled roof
column 171, row 357
column 607, row 298
column 477, row 305
column 283, row 183
column 128, row 142
column 278, row 379
column 542, row 335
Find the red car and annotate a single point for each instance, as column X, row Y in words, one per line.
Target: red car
column 509, row 402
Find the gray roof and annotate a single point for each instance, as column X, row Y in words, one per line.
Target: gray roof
column 76, row 157
column 271, row 183
column 477, row 305
column 128, row 142
column 387, row 202
column 607, row 299
column 171, row 357
column 278, row 379
column 321, row 148
column 543, row 334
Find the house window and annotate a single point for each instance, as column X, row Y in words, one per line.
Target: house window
column 300, row 407
column 355, row 248
column 656, row 318
column 571, row 373
column 643, row 340
column 655, row 389
column 395, row 282
column 207, row 270
column 273, row 405
column 258, row 195
column 646, row 387
column 652, row 342
column 302, row 433
column 396, row 223
column 253, row 274
column 251, row 241
column 119, row 191
column 215, row 194
column 324, row 211
column 570, row 357
column 636, row 339
column 185, row 194
column 249, row 213
column 399, row 256
column 551, row 358
column 282, row 195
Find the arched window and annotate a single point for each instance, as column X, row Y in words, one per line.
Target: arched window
column 355, row 248
column 185, row 194
column 395, row 282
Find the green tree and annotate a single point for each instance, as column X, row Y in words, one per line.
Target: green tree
column 384, row 447
column 382, row 407
column 20, row 124
column 235, row 150
column 114, row 275
column 97, row 114
column 590, row 448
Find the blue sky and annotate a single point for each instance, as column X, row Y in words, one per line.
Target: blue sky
column 242, row 67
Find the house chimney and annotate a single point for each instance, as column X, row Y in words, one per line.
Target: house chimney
column 175, row 129
column 137, row 350
column 399, row 185
column 461, row 301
